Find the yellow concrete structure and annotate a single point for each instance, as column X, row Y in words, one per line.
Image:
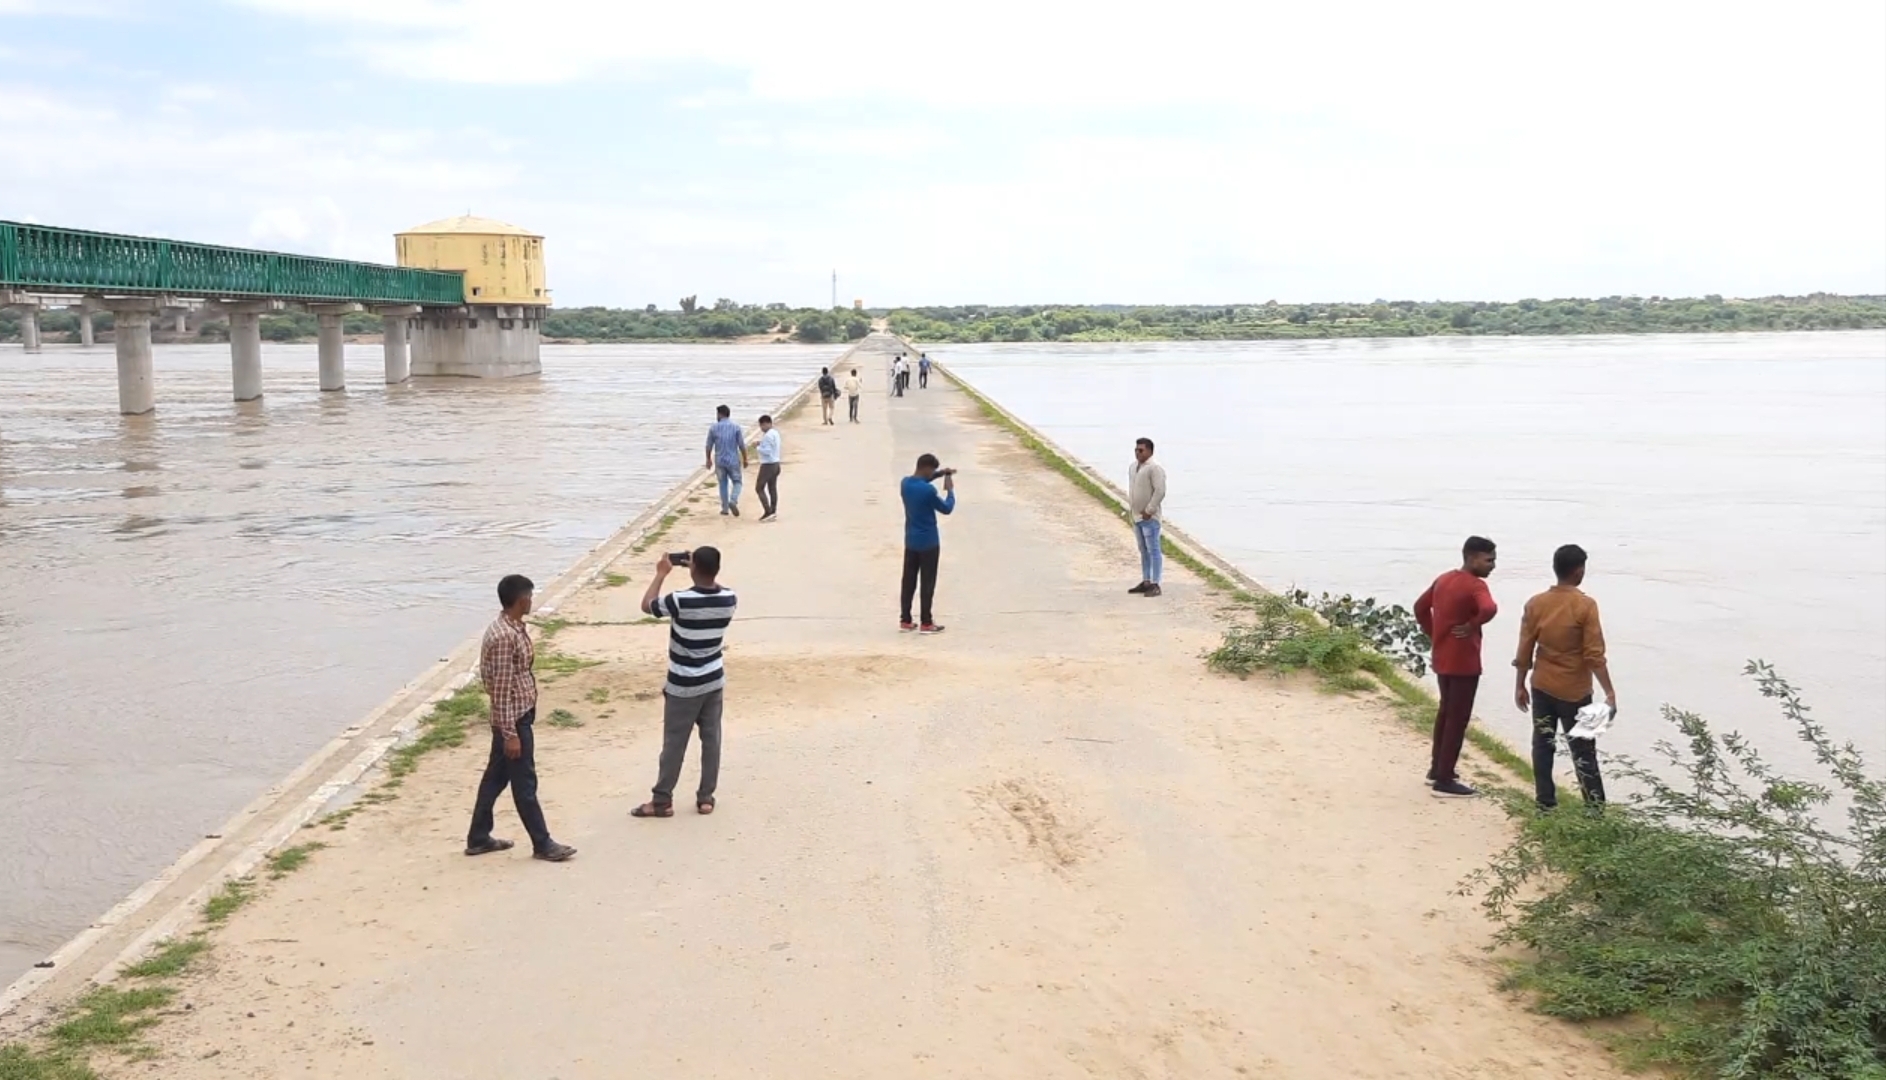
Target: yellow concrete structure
column 503, row 264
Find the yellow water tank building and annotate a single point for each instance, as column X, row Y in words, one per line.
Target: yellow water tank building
column 503, row 264
column 496, row 334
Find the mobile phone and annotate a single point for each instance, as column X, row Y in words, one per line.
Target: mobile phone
column 680, row 558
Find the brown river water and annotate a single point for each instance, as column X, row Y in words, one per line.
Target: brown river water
column 1730, row 489
column 195, row 601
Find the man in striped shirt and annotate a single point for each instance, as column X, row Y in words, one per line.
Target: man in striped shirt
column 697, row 622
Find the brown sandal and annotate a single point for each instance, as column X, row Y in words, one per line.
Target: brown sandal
column 705, row 806
column 649, row 809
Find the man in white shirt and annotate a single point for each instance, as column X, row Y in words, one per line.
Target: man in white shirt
column 852, row 386
column 1146, row 496
column 768, row 484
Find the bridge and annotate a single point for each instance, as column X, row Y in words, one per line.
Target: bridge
column 135, row 278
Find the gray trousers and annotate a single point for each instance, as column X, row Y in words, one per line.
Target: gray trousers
column 680, row 716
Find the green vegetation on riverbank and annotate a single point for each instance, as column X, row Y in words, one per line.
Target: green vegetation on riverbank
column 1730, row 922
column 1400, row 318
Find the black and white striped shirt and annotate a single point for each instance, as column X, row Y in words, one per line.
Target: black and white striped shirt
column 698, row 621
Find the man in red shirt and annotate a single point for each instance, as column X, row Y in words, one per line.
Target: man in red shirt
column 1451, row 613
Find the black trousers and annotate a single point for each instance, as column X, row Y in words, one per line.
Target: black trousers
column 854, row 408
column 767, row 487
column 1550, row 715
column 521, row 777
column 919, row 566
column 923, row 378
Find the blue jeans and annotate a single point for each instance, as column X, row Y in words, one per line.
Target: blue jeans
column 730, row 475
column 1152, row 559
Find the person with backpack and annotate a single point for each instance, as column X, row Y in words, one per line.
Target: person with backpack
column 828, row 394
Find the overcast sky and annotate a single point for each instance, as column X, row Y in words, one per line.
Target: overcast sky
column 981, row 151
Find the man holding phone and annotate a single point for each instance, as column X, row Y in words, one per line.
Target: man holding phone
column 698, row 617
column 923, row 543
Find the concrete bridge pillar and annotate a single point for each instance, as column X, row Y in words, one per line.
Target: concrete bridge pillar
column 131, row 320
column 331, row 346
column 86, row 334
column 181, row 323
column 393, row 325
column 245, row 348
column 29, row 328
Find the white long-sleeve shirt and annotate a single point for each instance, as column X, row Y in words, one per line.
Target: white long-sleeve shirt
column 1145, row 488
column 769, row 447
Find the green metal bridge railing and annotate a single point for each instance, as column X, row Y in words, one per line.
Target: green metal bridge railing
column 74, row 260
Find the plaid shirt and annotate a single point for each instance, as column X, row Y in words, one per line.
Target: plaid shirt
column 504, row 666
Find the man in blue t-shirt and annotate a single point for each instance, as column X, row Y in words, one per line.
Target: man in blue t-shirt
column 923, row 545
column 727, row 456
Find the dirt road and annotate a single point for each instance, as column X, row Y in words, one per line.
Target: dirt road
column 1046, row 843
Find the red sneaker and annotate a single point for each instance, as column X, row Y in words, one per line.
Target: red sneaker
column 906, row 626
column 930, row 628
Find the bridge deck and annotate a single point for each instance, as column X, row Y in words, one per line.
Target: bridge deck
column 50, row 259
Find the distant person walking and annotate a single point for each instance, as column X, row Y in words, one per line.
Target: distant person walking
column 853, row 386
column 1561, row 643
column 727, row 456
column 1451, row 613
column 923, row 543
column 900, row 375
column 1146, row 495
column 505, row 659
column 828, row 395
column 698, row 617
column 767, row 487
column 923, row 371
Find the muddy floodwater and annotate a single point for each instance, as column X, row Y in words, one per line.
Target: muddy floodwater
column 1731, row 491
column 195, row 601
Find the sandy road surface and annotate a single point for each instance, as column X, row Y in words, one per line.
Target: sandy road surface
column 1045, row 844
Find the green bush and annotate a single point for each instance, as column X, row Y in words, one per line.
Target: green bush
column 1728, row 910
column 1281, row 638
column 1390, row 628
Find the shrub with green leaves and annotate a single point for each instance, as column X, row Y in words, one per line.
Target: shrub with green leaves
column 1389, row 628
column 1279, row 638
column 1729, row 909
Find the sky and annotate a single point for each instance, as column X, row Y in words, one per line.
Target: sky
column 983, row 152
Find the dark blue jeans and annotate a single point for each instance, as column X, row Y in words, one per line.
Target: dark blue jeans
column 1549, row 716
column 521, row 777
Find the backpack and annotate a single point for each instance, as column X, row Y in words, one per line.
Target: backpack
column 827, row 386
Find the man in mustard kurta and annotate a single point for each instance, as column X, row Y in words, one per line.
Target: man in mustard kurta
column 1561, row 643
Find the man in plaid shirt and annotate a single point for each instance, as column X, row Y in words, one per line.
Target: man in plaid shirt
column 504, row 666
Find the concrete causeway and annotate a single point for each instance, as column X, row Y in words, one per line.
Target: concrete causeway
column 1046, row 843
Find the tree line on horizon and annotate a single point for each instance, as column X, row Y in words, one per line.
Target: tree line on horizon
column 729, row 319
column 1388, row 318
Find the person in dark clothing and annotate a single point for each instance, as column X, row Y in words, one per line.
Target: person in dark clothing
column 828, row 395
column 504, row 666
column 923, row 371
column 923, row 543
column 1451, row 612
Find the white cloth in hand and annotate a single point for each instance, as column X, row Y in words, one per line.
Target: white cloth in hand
column 1593, row 720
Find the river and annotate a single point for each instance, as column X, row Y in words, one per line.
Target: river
column 196, row 600
column 1731, row 491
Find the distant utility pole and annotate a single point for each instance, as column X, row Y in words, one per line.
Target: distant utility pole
column 834, row 288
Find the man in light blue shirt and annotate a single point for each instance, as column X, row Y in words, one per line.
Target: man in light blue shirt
column 727, row 456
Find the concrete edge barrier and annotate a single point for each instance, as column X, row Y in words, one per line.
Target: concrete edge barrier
column 163, row 905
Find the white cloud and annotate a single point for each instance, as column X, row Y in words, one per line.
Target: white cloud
column 175, row 165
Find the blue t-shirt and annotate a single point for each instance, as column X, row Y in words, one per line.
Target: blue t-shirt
column 922, row 504
column 724, row 440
